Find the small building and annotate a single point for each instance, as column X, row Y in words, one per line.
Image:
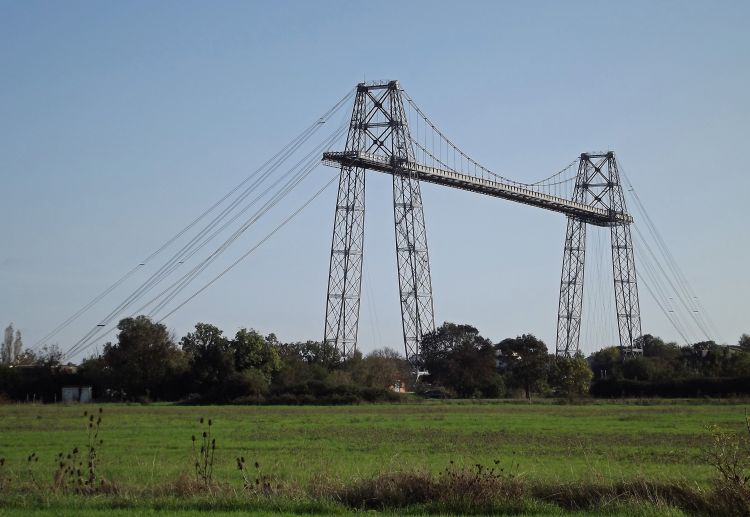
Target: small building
column 82, row 394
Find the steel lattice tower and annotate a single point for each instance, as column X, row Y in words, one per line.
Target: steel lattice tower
column 598, row 186
column 379, row 128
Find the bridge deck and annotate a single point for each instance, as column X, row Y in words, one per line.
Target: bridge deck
column 595, row 216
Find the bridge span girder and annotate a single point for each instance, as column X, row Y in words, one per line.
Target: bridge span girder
column 593, row 215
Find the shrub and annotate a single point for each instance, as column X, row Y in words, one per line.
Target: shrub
column 465, row 490
column 581, row 496
column 4, row 480
column 674, row 388
column 729, row 455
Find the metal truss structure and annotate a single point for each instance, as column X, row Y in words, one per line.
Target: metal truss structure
column 598, row 185
column 450, row 178
column 379, row 140
column 379, row 127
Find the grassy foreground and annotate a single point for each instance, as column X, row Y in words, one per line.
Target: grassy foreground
column 147, row 447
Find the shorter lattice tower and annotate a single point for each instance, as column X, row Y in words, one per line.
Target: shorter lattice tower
column 598, row 186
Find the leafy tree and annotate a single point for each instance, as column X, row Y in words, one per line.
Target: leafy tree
column 744, row 342
column 27, row 358
column 251, row 383
column 17, row 346
column 472, row 372
column 709, row 359
column 459, row 358
column 10, row 349
column 224, row 369
column 294, row 372
column 656, row 347
column 312, row 353
column 663, row 358
column 295, row 369
column 49, row 356
column 380, row 369
column 323, row 354
column 206, row 337
column 6, row 349
column 439, row 344
column 211, row 357
column 251, row 350
column 524, row 360
column 93, row 370
column 145, row 360
column 638, row 369
column 738, row 365
column 606, row 363
column 8, row 379
column 571, row 376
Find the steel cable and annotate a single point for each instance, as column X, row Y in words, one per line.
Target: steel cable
column 298, row 140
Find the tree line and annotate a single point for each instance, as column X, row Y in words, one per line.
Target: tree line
column 146, row 362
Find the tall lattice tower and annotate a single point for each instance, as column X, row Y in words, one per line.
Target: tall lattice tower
column 598, row 186
column 378, row 129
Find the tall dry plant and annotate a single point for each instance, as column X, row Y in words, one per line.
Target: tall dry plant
column 203, row 458
column 77, row 470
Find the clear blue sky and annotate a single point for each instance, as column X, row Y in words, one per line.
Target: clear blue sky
column 120, row 121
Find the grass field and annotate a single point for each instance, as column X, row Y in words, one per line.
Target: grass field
column 148, row 445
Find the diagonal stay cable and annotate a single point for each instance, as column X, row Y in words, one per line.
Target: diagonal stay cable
column 687, row 290
column 659, row 292
column 175, row 260
column 183, row 281
column 671, row 284
column 244, row 256
column 71, row 354
column 301, row 138
column 171, row 292
column 312, row 159
column 676, row 281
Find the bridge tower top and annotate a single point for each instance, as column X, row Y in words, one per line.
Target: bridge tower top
column 378, row 85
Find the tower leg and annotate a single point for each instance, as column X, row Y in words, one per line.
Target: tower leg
column 626, row 291
column 415, row 285
column 571, row 289
column 345, row 271
column 623, row 272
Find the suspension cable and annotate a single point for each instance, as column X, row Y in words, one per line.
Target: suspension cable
column 463, row 155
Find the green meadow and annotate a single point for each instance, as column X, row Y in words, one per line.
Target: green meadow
column 147, row 446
